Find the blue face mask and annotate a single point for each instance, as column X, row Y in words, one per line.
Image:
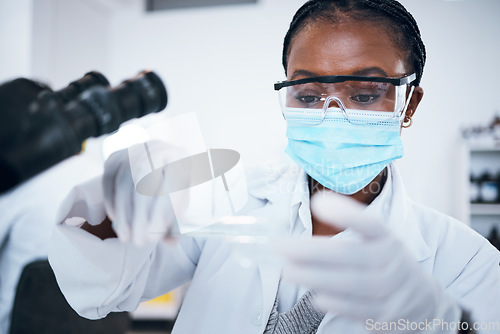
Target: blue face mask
column 343, row 155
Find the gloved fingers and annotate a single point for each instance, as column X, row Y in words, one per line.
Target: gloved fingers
column 134, row 216
column 140, row 219
column 396, row 291
column 323, row 278
column 162, row 219
column 147, row 221
column 340, row 252
column 393, row 308
column 122, row 230
column 112, row 167
column 123, row 206
column 343, row 212
column 121, row 226
column 159, row 213
column 108, row 185
column 343, row 282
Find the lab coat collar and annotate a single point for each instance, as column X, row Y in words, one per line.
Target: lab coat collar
column 287, row 191
column 281, row 183
column 287, row 186
column 300, row 202
column 394, row 203
column 301, row 190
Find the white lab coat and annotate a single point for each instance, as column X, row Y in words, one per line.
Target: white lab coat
column 27, row 215
column 98, row 276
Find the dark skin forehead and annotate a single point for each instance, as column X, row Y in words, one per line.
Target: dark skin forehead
column 347, row 48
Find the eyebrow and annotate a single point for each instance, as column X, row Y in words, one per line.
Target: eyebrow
column 304, row 73
column 363, row 72
column 370, row 71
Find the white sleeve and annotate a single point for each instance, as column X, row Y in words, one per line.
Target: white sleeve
column 101, row 276
column 478, row 288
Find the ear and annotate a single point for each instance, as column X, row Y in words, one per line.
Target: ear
column 418, row 94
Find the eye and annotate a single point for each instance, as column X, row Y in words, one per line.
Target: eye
column 308, row 100
column 309, row 95
column 365, row 98
column 367, row 93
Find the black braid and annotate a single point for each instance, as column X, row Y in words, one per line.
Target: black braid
column 405, row 30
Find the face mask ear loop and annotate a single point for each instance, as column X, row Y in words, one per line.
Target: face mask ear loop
column 403, row 112
column 328, row 100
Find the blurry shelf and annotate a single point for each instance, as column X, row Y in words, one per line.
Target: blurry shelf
column 493, row 146
column 485, row 209
column 474, row 149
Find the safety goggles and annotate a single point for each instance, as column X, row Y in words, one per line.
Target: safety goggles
column 380, row 97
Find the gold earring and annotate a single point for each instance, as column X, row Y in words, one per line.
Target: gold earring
column 405, row 124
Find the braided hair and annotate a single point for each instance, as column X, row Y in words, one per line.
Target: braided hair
column 396, row 18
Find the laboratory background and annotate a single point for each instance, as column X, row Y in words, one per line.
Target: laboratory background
column 221, row 60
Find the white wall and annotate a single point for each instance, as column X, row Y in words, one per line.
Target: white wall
column 461, row 88
column 16, row 23
column 71, row 38
column 221, row 62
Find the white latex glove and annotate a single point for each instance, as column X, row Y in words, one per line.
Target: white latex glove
column 371, row 275
column 136, row 217
column 83, row 204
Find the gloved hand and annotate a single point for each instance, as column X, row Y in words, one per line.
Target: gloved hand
column 370, row 275
column 135, row 216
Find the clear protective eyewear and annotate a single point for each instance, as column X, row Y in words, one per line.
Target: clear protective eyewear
column 386, row 97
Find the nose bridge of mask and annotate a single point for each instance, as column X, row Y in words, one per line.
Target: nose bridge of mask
column 336, row 95
column 334, row 103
